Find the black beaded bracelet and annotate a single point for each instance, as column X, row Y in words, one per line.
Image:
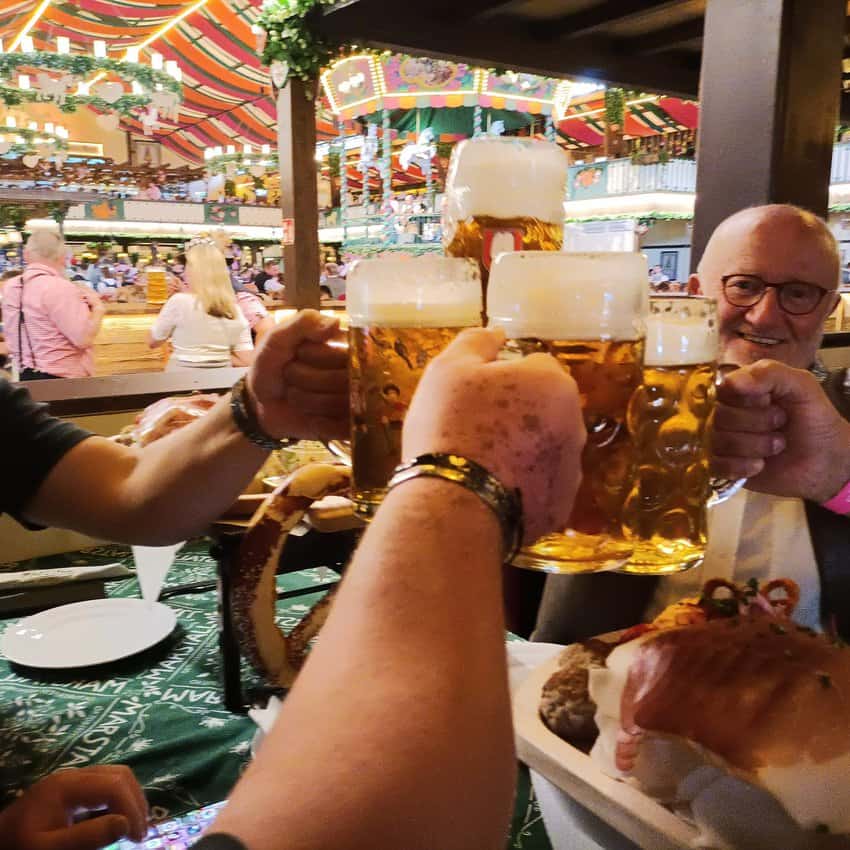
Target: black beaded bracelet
column 505, row 503
column 246, row 420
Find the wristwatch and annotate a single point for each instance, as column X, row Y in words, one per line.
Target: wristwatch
column 505, row 503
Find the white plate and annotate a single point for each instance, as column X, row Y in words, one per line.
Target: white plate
column 84, row 633
column 629, row 811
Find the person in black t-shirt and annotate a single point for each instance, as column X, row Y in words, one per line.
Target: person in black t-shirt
column 270, row 270
column 296, row 387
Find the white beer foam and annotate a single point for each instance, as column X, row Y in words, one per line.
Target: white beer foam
column 411, row 292
column 506, row 178
column 678, row 338
column 570, row 296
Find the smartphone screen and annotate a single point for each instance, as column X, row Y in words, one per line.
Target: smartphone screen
column 174, row 834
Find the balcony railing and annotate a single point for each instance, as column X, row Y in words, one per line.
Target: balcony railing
column 623, row 177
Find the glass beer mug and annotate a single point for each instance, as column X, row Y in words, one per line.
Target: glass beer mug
column 403, row 311
column 669, row 419
column 587, row 310
column 503, row 194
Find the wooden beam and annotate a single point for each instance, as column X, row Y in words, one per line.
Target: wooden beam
column 768, row 107
column 660, row 41
column 506, row 43
column 296, row 116
column 578, row 23
column 453, row 12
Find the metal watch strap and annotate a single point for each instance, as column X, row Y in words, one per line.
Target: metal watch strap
column 505, row 503
column 246, row 420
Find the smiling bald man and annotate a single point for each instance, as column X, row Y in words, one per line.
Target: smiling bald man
column 774, row 271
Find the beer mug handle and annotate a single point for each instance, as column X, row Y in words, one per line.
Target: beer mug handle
column 340, row 449
column 723, row 488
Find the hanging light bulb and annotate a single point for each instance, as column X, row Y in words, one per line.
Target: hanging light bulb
column 48, row 128
column 132, row 54
column 11, row 121
column 99, row 48
column 137, row 87
column 170, row 67
column 63, row 44
column 267, row 149
column 231, row 149
column 24, row 81
column 156, row 61
column 247, row 150
column 27, row 45
column 32, row 125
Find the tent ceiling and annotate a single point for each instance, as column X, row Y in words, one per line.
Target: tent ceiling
column 227, row 96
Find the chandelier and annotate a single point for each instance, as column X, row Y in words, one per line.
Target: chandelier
column 32, row 142
column 65, row 79
column 229, row 161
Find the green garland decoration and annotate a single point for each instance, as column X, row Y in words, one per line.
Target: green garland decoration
column 292, row 39
column 83, row 66
column 28, row 146
column 218, row 164
column 126, row 105
column 615, row 107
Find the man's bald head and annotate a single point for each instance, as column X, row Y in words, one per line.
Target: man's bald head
column 778, row 243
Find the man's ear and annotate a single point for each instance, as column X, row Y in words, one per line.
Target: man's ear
column 694, row 286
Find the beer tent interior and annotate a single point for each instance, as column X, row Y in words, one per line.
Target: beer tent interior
column 768, row 75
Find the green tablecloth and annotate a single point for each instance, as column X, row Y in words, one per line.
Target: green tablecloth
column 160, row 712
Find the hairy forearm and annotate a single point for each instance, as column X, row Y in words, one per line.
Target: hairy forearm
column 403, row 703
column 169, row 491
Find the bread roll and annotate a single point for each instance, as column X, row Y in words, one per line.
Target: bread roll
column 758, row 700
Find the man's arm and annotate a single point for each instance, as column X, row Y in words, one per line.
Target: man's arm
column 398, row 730
column 175, row 487
column 166, row 492
column 78, row 315
column 775, row 426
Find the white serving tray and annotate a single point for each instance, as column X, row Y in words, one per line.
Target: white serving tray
column 629, row 811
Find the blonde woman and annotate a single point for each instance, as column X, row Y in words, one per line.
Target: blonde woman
column 205, row 325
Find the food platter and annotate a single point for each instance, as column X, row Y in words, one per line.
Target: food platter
column 623, row 807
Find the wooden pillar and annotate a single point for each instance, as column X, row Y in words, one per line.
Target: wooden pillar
column 296, row 150
column 769, row 96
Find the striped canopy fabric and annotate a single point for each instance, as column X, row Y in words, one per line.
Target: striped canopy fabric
column 227, row 94
column 227, row 97
column 584, row 125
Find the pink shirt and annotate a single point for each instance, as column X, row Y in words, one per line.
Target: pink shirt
column 252, row 308
column 58, row 322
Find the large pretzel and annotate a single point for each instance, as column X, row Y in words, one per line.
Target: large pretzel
column 277, row 656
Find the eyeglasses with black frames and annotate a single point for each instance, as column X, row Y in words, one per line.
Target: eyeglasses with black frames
column 795, row 297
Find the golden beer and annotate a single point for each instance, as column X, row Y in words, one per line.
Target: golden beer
column 586, row 310
column 607, row 374
column 386, row 365
column 482, row 237
column 669, row 419
column 403, row 312
column 503, row 194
